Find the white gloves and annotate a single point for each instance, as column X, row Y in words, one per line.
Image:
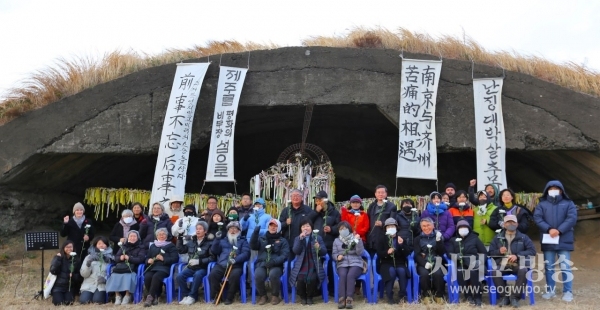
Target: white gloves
column 428, row 265
column 438, row 236
column 193, row 262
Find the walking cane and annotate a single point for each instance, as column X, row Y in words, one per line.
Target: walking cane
column 223, row 285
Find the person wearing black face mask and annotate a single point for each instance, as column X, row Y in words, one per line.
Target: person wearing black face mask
column 185, row 227
column 518, row 250
column 408, row 221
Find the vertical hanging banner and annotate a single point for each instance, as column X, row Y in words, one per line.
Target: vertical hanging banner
column 174, row 148
column 417, row 152
column 489, row 132
column 220, row 156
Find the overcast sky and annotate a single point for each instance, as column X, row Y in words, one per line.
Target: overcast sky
column 34, row 33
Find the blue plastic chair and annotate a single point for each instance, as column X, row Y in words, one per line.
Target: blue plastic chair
column 365, row 278
column 378, row 281
column 324, row 291
column 452, row 296
column 242, row 285
column 191, row 279
column 283, row 279
column 168, row 282
column 492, row 287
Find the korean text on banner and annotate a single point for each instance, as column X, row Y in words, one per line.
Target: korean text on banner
column 489, row 132
column 174, row 148
column 220, row 156
column 417, row 153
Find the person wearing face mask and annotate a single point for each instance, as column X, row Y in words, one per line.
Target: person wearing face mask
column 469, row 253
column 518, row 251
column 122, row 228
column 481, row 218
column 408, row 221
column 429, row 249
column 347, row 251
column 392, row 251
column 508, row 206
column 214, row 229
column 185, row 227
column 438, row 212
column 78, row 229
column 556, row 215
column 446, row 199
column 462, row 210
column 124, row 276
column 158, row 219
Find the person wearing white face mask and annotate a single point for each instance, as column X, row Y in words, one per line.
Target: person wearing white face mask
column 393, row 251
column 122, row 228
column 347, row 251
column 468, row 252
column 556, row 215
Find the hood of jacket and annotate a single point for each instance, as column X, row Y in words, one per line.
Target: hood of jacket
column 558, row 184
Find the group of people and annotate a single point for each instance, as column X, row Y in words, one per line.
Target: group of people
column 465, row 226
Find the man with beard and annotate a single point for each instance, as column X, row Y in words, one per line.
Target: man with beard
column 233, row 250
column 292, row 215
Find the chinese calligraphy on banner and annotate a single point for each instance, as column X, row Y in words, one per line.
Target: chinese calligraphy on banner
column 220, row 156
column 417, row 153
column 174, row 148
column 489, row 132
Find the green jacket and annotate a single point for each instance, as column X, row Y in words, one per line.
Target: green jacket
column 486, row 234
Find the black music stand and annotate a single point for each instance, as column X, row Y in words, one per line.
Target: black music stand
column 43, row 240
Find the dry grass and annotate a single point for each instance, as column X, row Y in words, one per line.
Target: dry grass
column 70, row 77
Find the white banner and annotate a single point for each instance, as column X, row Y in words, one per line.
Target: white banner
column 417, row 152
column 489, row 132
column 174, row 148
column 220, row 156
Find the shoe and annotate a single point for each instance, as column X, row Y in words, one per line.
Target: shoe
column 390, row 301
column 155, row 301
column 514, row 302
column 310, row 302
column 477, row 302
column 262, row 300
column 470, row 300
column 426, row 300
column 548, row 295
column 504, row 302
column 118, row 299
column 126, row 300
column 567, row 296
column 304, row 301
column 439, row 300
column 184, row 301
column 342, row 303
column 349, row 303
column 228, row 302
column 190, row 301
column 275, row 300
column 149, row 300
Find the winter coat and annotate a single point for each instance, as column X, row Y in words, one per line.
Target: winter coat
column 117, row 233
column 442, row 221
column 60, row 266
column 469, row 247
column 299, row 249
column 136, row 253
column 148, row 228
column 75, row 234
column 486, row 234
column 361, row 222
column 250, row 224
column 409, row 226
column 465, row 214
column 422, row 252
column 559, row 213
column 187, row 228
column 170, row 257
column 523, row 216
column 387, row 260
column 290, row 232
column 521, row 246
column 351, row 259
column 277, row 255
column 377, row 213
column 242, row 211
column 94, row 277
column 330, row 217
column 221, row 248
column 191, row 249
column 475, row 200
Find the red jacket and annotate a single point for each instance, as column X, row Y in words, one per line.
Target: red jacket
column 360, row 222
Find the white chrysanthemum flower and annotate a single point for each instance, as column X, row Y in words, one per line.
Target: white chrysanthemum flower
column 429, row 246
column 268, row 246
column 413, row 209
column 73, row 254
column 316, row 231
column 220, row 223
column 501, row 211
column 88, row 226
column 357, row 214
column 498, row 231
column 162, row 251
column 459, row 239
column 199, row 249
column 235, row 248
column 120, row 243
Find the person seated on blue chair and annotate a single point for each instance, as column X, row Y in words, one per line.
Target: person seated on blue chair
column 513, row 250
column 469, row 254
column 197, row 249
column 159, row 258
column 393, row 251
column 93, row 271
column 130, row 255
column 347, row 251
column 429, row 252
column 273, row 252
column 308, row 274
column 232, row 252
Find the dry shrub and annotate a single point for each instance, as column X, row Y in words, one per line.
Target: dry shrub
column 70, row 77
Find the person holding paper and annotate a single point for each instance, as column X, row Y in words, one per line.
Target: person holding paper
column 556, row 215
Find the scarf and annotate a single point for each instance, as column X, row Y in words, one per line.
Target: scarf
column 126, row 227
column 272, row 237
column 432, row 209
column 79, row 222
column 160, row 244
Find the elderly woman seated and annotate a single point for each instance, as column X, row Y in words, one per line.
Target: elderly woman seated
column 159, row 258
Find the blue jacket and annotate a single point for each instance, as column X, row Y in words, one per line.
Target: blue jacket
column 559, row 213
column 222, row 249
column 250, row 224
